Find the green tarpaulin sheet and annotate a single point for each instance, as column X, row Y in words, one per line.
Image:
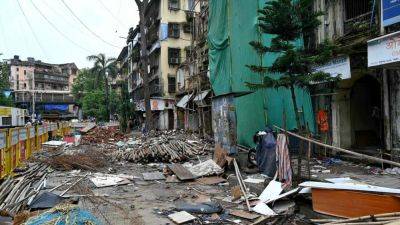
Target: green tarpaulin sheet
column 232, row 25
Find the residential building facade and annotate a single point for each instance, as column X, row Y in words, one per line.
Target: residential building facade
column 42, row 87
column 168, row 38
column 193, row 108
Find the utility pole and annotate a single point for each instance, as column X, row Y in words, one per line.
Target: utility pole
column 142, row 6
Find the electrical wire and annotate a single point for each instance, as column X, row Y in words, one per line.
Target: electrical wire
column 58, row 30
column 87, row 28
column 111, row 13
column 68, row 20
column 33, row 32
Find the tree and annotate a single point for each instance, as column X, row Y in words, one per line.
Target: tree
column 89, row 94
column 5, row 84
column 102, row 68
column 142, row 7
column 125, row 108
column 288, row 22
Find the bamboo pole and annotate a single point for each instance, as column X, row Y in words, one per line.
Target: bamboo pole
column 362, row 156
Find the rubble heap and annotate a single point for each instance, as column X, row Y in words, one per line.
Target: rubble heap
column 15, row 193
column 103, row 134
column 169, row 146
column 89, row 160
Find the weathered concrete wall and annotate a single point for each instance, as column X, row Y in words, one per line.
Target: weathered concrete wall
column 224, row 122
column 394, row 102
column 333, row 20
column 341, row 120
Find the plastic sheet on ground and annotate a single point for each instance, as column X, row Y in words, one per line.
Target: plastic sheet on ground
column 65, row 215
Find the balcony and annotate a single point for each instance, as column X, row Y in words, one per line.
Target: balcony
column 359, row 24
column 25, row 97
column 51, row 78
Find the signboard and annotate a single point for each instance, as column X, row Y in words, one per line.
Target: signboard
column 23, row 134
column 31, row 132
column 338, row 66
column 5, row 111
column 384, row 50
column 156, row 105
column 390, row 12
column 3, row 140
column 14, row 137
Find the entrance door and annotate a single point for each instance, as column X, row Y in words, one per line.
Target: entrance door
column 366, row 113
column 170, row 119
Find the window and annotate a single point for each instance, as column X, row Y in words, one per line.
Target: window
column 356, row 8
column 171, row 84
column 187, row 28
column 6, row 121
column 24, row 85
column 24, row 72
column 173, row 30
column 174, row 55
column 191, row 5
column 17, row 69
column 173, row 4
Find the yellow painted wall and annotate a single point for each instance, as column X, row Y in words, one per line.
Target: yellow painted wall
column 173, row 16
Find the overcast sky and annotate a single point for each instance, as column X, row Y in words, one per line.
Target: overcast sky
column 107, row 19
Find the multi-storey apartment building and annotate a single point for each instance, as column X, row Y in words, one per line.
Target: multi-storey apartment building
column 42, row 87
column 193, row 111
column 363, row 108
column 169, row 39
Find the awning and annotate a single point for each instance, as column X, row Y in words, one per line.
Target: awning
column 200, row 97
column 154, row 47
column 184, row 101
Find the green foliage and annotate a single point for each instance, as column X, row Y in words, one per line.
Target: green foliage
column 90, row 91
column 289, row 21
column 5, row 85
column 93, row 104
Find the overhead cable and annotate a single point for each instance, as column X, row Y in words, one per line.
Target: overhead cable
column 33, row 32
column 87, row 28
column 58, row 30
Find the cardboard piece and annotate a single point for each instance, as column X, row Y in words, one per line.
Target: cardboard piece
column 181, row 217
column 244, row 214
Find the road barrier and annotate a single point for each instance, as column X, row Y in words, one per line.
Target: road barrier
column 19, row 144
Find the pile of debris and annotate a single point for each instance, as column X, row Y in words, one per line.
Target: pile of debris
column 167, row 147
column 102, row 135
column 88, row 160
column 15, row 193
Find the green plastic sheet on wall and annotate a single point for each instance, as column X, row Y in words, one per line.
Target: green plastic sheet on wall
column 232, row 25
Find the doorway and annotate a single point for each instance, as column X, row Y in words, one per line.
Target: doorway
column 366, row 113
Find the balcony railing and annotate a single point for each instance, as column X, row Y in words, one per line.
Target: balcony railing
column 358, row 24
column 44, row 98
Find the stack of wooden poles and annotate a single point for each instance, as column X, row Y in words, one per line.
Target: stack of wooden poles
column 163, row 150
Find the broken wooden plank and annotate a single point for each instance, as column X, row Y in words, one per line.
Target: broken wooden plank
column 153, row 176
column 181, row 172
column 181, row 217
column 244, row 214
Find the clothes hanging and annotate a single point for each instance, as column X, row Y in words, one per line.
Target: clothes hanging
column 322, row 121
column 282, row 157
